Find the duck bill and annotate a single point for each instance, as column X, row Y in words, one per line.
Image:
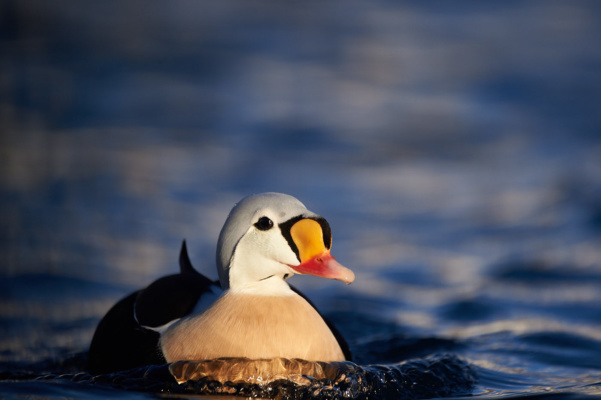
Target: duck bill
column 314, row 252
column 325, row 266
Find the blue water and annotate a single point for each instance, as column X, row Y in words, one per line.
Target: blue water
column 455, row 149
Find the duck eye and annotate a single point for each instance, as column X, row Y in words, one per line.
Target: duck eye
column 264, row 224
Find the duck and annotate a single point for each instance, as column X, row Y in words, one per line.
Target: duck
column 250, row 312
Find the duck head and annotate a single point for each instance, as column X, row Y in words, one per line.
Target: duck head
column 271, row 236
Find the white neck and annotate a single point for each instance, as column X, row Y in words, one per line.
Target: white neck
column 272, row 286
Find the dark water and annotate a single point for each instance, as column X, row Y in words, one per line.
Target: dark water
column 455, row 149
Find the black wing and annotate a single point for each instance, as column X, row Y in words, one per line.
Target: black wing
column 173, row 296
column 122, row 339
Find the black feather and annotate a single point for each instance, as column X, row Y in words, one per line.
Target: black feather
column 185, row 265
column 120, row 343
column 121, row 340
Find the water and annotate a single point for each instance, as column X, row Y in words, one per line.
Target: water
column 454, row 150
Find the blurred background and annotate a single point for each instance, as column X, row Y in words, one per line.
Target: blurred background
column 455, row 149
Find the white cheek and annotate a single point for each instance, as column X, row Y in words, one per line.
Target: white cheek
column 277, row 248
column 260, row 254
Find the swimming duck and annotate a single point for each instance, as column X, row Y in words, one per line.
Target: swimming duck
column 250, row 312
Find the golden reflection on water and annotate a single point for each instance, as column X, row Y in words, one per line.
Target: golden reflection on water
column 238, row 370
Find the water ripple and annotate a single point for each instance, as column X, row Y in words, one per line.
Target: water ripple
column 436, row 376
